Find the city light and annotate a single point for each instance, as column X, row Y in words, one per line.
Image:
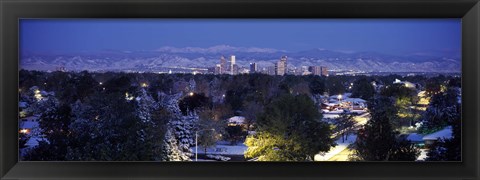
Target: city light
column 144, row 85
column 24, row 131
column 191, row 94
column 100, row 83
column 128, row 97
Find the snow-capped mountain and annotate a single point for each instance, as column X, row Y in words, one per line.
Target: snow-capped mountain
column 207, row 57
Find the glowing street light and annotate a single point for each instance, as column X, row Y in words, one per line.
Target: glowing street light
column 339, row 97
column 100, row 83
column 144, row 85
column 191, row 94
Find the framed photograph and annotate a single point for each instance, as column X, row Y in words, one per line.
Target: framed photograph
column 239, row 89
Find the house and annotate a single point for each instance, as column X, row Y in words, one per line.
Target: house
column 406, row 83
column 236, row 121
column 415, row 138
column 446, row 133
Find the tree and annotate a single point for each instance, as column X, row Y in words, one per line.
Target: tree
column 443, row 108
column 335, row 85
column 448, row 149
column 234, row 134
column 171, row 150
column 362, row 88
column 377, row 141
column 317, row 85
column 192, row 102
column 209, row 128
column 251, row 111
column 290, row 129
column 344, row 125
column 22, row 140
column 54, row 125
column 403, row 150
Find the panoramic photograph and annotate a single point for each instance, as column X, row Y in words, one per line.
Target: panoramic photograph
column 240, row 90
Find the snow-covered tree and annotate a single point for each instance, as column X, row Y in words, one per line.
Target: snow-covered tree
column 145, row 104
column 171, row 150
column 181, row 127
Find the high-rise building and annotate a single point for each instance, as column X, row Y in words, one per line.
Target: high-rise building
column 283, row 59
column 324, row 71
column 223, row 65
column 315, row 70
column 318, row 70
column 281, row 66
column 218, row 69
column 232, row 62
column 253, row 67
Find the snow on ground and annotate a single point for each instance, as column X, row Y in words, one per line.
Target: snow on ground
column 423, row 155
column 223, row 149
column 337, row 149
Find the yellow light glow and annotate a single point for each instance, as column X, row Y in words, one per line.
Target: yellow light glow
column 191, row 94
column 24, row 131
column 144, row 85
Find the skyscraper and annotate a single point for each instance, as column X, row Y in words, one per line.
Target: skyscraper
column 318, row 70
column 324, row 71
column 223, row 65
column 284, row 61
column 315, row 70
column 281, row 66
column 253, row 67
column 232, row 62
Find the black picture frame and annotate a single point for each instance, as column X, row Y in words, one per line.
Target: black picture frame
column 12, row 10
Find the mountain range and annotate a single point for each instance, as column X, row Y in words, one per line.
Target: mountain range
column 196, row 57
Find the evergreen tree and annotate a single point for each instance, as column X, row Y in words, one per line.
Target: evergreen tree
column 442, row 110
column 171, row 150
column 54, row 125
column 377, row 140
column 448, row 149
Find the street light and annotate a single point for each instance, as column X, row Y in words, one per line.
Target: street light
column 196, row 141
column 339, row 97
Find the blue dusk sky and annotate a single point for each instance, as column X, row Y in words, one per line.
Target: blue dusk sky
column 390, row 36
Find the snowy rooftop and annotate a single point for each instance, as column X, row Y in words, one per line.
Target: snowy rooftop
column 414, row 137
column 28, row 125
column 444, row 133
column 355, row 100
column 237, row 120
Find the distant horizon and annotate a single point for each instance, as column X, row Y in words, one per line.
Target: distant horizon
column 386, row 36
column 208, row 49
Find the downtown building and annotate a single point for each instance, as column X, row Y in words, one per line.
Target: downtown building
column 281, row 66
column 318, row 70
column 253, row 67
